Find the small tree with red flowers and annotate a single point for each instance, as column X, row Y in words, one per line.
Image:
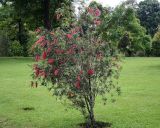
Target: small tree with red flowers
column 78, row 62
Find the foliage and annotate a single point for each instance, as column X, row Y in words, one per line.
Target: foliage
column 34, row 12
column 149, row 15
column 156, row 44
column 125, row 30
column 7, row 29
column 15, row 49
column 78, row 62
column 31, row 40
column 12, row 28
column 19, row 17
column 3, row 45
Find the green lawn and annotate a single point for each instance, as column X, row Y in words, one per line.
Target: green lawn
column 137, row 107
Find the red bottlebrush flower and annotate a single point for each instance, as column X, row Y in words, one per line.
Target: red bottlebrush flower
column 69, row 36
column 59, row 51
column 56, row 72
column 42, row 38
column 44, row 55
column 90, row 72
column 49, row 50
column 50, row 61
column 77, row 84
column 37, row 72
column 37, row 58
column 97, row 12
column 55, row 41
column 43, row 43
column 42, row 73
column 90, row 10
column 78, row 78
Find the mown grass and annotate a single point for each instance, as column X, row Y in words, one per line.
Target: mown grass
column 137, row 107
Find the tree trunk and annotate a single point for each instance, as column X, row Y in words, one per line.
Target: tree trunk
column 22, row 36
column 20, row 30
column 92, row 119
column 91, row 106
column 47, row 24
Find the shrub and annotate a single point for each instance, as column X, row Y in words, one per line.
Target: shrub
column 31, row 41
column 156, row 48
column 78, row 62
column 156, row 44
column 15, row 49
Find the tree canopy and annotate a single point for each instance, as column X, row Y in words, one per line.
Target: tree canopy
column 149, row 15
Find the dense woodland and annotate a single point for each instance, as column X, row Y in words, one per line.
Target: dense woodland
column 134, row 27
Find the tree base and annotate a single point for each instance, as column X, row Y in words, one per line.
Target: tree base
column 98, row 124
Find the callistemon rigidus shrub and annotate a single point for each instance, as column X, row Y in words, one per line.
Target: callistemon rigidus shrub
column 78, row 62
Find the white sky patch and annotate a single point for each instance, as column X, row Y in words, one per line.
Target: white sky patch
column 105, row 3
column 111, row 3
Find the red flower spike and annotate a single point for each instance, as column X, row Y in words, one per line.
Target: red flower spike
column 91, row 10
column 59, row 51
column 69, row 36
column 56, row 72
column 37, row 72
column 42, row 38
column 49, row 50
column 78, row 78
column 97, row 12
column 44, row 74
column 37, row 58
column 50, row 61
column 43, row 43
column 44, row 55
column 90, row 72
column 77, row 84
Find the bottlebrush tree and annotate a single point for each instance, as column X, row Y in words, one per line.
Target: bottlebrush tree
column 78, row 62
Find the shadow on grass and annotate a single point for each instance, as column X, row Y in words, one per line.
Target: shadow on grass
column 28, row 108
column 98, row 124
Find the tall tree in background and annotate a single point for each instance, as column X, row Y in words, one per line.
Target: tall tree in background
column 125, row 30
column 28, row 15
column 149, row 15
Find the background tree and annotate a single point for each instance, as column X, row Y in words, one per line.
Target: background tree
column 25, row 16
column 149, row 15
column 156, row 44
column 8, row 29
column 125, row 30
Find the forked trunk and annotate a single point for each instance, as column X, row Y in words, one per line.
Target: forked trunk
column 91, row 106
